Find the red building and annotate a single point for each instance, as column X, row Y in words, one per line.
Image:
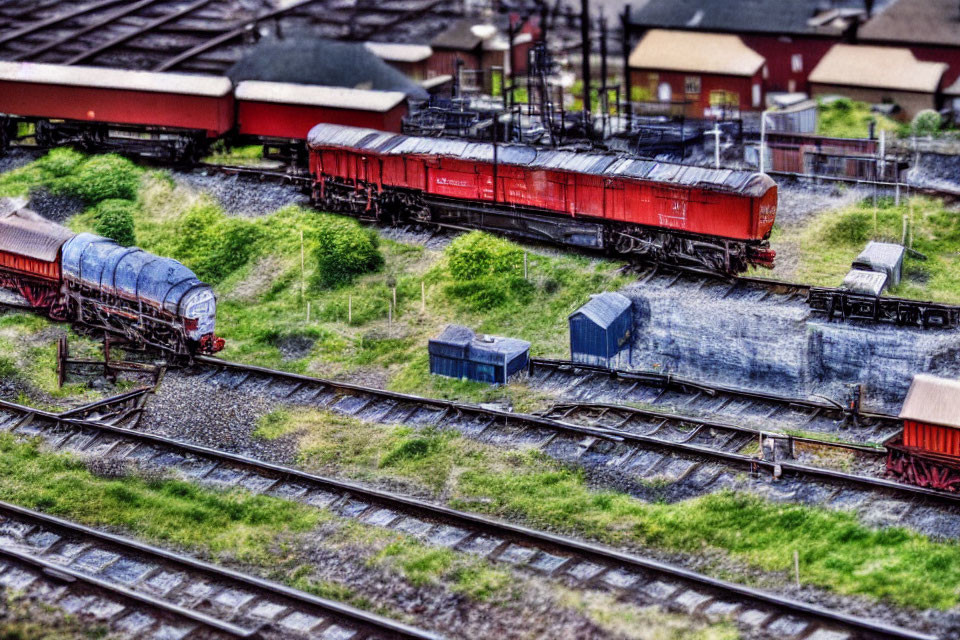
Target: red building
column 791, row 35
column 715, row 75
column 929, row 28
column 482, row 45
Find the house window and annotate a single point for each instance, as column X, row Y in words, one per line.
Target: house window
column 756, row 96
column 691, row 85
column 796, row 63
column 664, row 92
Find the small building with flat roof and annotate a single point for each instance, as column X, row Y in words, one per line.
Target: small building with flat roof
column 716, row 74
column 879, row 75
column 458, row 352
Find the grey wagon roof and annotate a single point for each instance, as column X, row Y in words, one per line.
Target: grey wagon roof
column 25, row 233
column 741, row 182
column 605, row 308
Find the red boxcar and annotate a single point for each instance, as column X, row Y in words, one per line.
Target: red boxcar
column 604, row 201
column 113, row 96
column 927, row 452
column 288, row 111
column 30, row 253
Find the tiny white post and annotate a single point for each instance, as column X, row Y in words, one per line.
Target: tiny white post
column 524, row 265
column 882, row 155
column 763, row 140
column 423, row 297
column 716, row 144
column 308, row 312
column 897, row 197
column 394, row 297
column 903, row 240
column 796, row 566
column 349, row 309
column 301, row 264
column 389, row 314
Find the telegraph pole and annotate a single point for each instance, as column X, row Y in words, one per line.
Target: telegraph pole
column 585, row 52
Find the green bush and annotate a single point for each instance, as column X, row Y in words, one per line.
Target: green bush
column 344, row 251
column 926, row 123
column 213, row 244
column 8, row 368
column 114, row 220
column 100, row 178
column 61, row 162
column 478, row 254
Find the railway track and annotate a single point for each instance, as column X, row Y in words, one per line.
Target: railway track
column 186, row 597
column 593, row 383
column 583, row 563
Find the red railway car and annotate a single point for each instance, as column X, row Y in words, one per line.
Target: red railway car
column 289, row 111
column 30, row 249
column 927, row 452
column 717, row 219
column 112, row 109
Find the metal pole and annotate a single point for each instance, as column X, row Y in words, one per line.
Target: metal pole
column 763, row 136
column 585, row 52
column 627, row 80
column 603, row 71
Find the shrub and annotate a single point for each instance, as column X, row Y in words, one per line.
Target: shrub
column 212, row 244
column 926, row 123
column 114, row 220
column 478, row 254
column 344, row 251
column 100, row 178
column 60, row 162
column 851, row 227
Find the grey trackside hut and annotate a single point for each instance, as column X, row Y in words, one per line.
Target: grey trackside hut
column 600, row 330
column 458, row 352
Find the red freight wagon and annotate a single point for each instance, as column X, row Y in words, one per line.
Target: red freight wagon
column 927, row 452
column 30, row 253
column 719, row 219
column 276, row 110
column 111, row 106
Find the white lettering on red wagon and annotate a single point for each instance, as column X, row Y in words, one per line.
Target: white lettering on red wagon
column 450, row 182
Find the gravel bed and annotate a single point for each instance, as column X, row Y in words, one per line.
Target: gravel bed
column 242, row 196
column 228, row 418
column 802, row 200
column 15, row 158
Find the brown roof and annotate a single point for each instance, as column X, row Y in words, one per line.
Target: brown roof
column 694, row 52
column 933, row 400
column 892, row 68
column 26, row 233
column 915, row 22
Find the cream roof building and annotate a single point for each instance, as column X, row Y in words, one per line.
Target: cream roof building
column 893, row 68
column 692, row 52
column 933, row 400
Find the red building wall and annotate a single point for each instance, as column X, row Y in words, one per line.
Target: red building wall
column 739, row 89
column 779, row 52
column 269, row 120
column 931, row 438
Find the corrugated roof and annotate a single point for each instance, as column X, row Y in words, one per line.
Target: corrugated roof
column 729, row 181
column 399, row 52
column 603, row 309
column 26, row 233
column 460, row 36
column 693, row 52
column 893, row 68
column 746, row 16
column 318, row 96
column 915, row 22
column 104, row 78
column 933, row 400
column 868, row 282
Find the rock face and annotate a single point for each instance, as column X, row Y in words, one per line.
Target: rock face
column 780, row 347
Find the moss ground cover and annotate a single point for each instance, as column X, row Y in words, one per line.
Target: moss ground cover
column 830, row 243
column 836, row 551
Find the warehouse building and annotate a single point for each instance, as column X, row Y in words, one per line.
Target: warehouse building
column 600, row 331
column 717, row 75
column 879, row 75
column 458, row 352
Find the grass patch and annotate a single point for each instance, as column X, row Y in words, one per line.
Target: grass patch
column 845, row 118
column 164, row 510
column 830, row 243
column 836, row 551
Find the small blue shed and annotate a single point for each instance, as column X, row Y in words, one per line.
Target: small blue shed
column 600, row 331
column 459, row 353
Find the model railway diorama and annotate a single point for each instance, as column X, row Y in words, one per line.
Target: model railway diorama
column 827, row 450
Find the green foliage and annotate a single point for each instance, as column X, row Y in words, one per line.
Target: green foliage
column 60, row 163
column 479, row 254
column 213, row 244
column 344, row 250
column 837, row 552
column 8, row 367
column 237, row 523
column 845, row 118
column 115, row 221
column 926, row 123
column 99, row 178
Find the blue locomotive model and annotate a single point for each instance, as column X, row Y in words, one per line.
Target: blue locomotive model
column 95, row 282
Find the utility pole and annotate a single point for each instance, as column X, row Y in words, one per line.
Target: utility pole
column 604, row 99
column 716, row 145
column 585, row 52
column 627, row 80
